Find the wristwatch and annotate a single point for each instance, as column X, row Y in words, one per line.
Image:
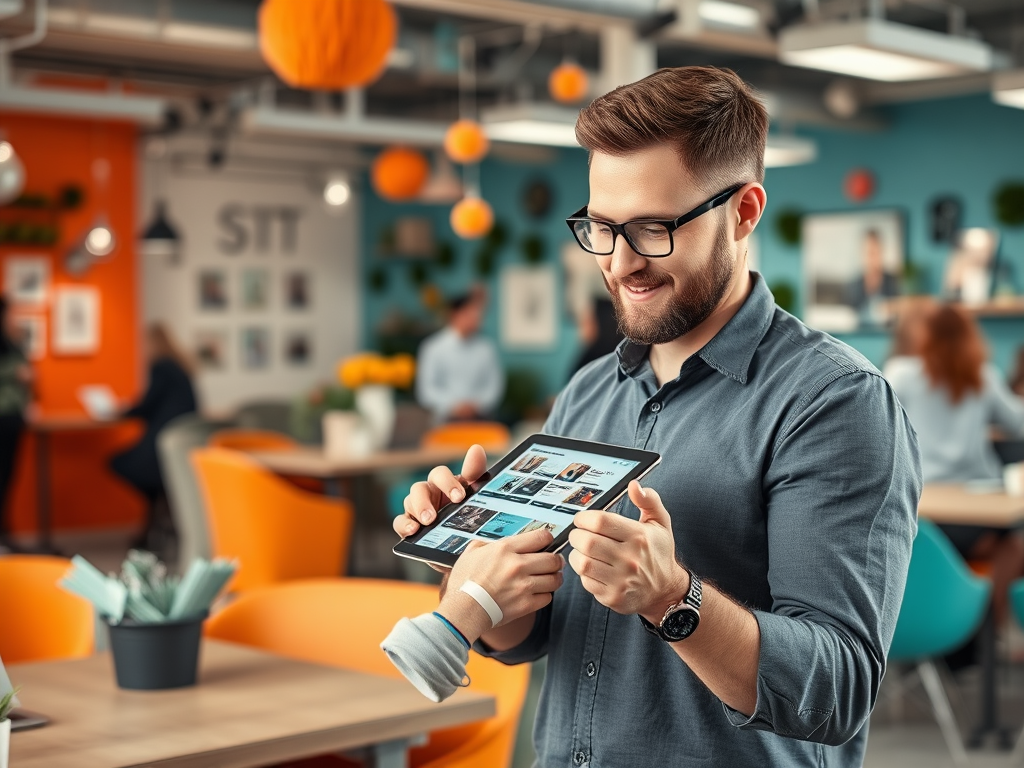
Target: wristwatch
column 682, row 618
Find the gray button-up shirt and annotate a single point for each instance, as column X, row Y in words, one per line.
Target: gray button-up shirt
column 792, row 477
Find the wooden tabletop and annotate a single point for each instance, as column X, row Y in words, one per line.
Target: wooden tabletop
column 309, row 461
column 250, row 708
column 958, row 504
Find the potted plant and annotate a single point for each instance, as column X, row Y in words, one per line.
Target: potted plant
column 374, row 379
column 6, row 705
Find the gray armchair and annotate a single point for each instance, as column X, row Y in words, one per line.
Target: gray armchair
column 184, row 498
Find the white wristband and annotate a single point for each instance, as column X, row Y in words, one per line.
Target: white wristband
column 481, row 595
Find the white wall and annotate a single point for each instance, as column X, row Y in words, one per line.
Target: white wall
column 219, row 216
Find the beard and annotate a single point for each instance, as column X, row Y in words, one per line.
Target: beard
column 687, row 308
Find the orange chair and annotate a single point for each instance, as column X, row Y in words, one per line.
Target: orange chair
column 38, row 619
column 277, row 532
column 341, row 622
column 462, row 434
column 251, row 440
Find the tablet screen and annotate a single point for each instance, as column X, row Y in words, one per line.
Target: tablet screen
column 542, row 488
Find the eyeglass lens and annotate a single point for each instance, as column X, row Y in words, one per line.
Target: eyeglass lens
column 647, row 238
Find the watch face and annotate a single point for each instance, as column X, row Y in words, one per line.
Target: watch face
column 680, row 625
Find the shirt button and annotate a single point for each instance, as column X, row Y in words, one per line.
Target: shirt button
column 655, row 407
column 579, row 758
column 591, row 669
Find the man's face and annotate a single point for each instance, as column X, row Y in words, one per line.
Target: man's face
column 659, row 300
column 468, row 319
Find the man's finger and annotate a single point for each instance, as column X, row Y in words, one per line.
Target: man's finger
column 543, row 562
column 475, row 464
column 419, row 504
column 443, row 480
column 607, row 524
column 534, row 541
column 649, row 503
column 594, row 546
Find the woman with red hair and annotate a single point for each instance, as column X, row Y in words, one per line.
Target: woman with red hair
column 953, row 398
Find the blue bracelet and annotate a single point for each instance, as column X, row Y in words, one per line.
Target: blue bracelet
column 462, row 637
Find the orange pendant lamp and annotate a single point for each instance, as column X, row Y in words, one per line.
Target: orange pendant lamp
column 471, row 218
column 568, row 83
column 399, row 173
column 466, row 142
column 326, row 44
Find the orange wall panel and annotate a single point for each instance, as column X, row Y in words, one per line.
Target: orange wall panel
column 57, row 152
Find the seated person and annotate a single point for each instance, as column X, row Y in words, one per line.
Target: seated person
column 953, row 398
column 459, row 375
column 168, row 395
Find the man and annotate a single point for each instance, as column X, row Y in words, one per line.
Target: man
column 788, row 485
column 460, row 376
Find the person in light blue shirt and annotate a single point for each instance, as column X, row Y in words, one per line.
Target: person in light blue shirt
column 459, row 374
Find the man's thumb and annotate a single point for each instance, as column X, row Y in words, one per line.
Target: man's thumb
column 649, row 503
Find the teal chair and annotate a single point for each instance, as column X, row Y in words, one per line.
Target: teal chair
column 1017, row 605
column 943, row 606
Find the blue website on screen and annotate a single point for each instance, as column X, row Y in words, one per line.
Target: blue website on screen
column 543, row 488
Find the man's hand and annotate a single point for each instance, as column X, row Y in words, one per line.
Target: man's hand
column 628, row 565
column 440, row 487
column 514, row 571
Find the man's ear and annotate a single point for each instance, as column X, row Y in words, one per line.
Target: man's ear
column 752, row 199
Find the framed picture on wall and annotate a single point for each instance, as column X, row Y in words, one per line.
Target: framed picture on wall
column 213, row 290
column 296, row 290
column 255, row 348
column 32, row 332
column 76, row 320
column 210, row 350
column 853, row 267
column 298, row 349
column 27, row 280
column 528, row 308
column 255, row 289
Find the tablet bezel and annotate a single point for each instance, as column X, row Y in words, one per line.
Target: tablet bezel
column 647, row 460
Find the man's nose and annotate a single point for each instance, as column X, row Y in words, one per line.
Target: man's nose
column 624, row 260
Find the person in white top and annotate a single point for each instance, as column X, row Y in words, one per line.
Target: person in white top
column 459, row 374
column 954, row 398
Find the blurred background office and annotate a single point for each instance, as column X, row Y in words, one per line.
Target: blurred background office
column 324, row 251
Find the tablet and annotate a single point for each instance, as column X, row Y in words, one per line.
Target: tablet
column 541, row 483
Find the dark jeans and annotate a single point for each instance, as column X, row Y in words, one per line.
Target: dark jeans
column 11, row 427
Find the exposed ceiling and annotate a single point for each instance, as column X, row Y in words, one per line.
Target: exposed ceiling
column 203, row 53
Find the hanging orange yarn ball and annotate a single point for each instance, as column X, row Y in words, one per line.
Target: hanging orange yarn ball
column 326, row 44
column 399, row 173
column 472, row 218
column 466, row 142
column 568, row 83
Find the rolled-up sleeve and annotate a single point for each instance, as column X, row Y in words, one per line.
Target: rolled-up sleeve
column 841, row 494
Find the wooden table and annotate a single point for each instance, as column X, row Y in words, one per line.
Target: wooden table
column 957, row 504
column 309, row 461
column 250, row 708
column 43, row 426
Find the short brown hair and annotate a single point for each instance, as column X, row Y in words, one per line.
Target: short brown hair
column 713, row 119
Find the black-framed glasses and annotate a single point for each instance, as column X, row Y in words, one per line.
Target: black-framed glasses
column 648, row 237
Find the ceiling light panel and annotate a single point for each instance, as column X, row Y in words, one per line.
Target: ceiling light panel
column 1008, row 88
column 734, row 15
column 877, row 49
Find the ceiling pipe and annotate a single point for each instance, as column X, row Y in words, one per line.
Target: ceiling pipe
column 9, row 45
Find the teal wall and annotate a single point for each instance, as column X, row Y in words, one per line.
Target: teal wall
column 963, row 147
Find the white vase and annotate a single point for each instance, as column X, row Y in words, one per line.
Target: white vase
column 345, row 434
column 376, row 404
column 5, row 742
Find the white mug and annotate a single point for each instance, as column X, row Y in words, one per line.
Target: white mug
column 1013, row 479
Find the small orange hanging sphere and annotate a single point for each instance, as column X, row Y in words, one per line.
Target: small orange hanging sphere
column 399, row 173
column 568, row 83
column 472, row 218
column 859, row 185
column 466, row 142
column 326, row 44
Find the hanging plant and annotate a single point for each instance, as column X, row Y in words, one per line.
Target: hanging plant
column 497, row 236
column 386, row 239
column 785, row 296
column 788, row 225
column 378, row 280
column 418, row 273
column 1009, row 204
column 70, row 197
column 444, row 255
column 485, row 260
column 533, row 249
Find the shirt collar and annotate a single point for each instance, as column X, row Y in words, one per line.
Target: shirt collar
column 732, row 348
